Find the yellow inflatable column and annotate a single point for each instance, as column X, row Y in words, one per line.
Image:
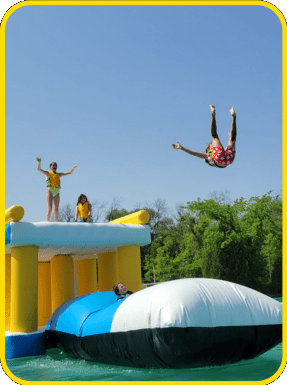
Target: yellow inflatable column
column 86, row 276
column 44, row 293
column 129, row 256
column 62, row 280
column 24, row 289
column 107, row 271
column 7, row 290
column 130, row 267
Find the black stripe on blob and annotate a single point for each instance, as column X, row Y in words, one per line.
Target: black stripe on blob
column 171, row 347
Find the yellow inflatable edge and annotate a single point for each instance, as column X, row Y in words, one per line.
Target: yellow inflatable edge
column 14, row 214
column 138, row 218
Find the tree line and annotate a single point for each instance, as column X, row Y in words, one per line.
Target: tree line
column 238, row 241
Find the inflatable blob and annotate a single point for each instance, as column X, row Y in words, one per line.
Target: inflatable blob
column 190, row 323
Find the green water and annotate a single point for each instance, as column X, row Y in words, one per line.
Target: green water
column 57, row 366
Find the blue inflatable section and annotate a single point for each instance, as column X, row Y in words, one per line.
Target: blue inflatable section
column 7, row 234
column 103, row 319
column 23, row 345
column 86, row 315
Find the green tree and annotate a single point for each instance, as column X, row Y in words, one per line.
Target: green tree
column 160, row 262
column 232, row 238
column 221, row 244
column 239, row 242
column 116, row 213
column 263, row 222
column 158, row 220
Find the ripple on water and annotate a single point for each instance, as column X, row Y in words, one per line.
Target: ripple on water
column 57, row 366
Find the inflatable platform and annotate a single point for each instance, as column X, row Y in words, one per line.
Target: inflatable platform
column 50, row 263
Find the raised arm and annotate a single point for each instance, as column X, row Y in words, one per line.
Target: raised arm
column 67, row 173
column 39, row 167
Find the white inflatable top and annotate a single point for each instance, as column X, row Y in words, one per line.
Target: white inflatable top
column 196, row 302
column 75, row 238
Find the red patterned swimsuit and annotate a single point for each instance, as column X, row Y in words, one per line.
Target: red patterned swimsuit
column 221, row 157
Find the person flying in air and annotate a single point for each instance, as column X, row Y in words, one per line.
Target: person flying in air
column 215, row 155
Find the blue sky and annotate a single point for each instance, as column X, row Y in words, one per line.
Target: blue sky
column 109, row 88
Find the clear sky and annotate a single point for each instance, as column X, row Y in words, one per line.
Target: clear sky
column 109, row 88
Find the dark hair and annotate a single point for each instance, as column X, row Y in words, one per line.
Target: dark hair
column 80, row 198
column 116, row 289
column 53, row 163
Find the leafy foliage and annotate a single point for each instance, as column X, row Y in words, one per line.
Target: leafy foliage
column 239, row 242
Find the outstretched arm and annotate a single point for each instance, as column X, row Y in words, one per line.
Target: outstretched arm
column 68, row 173
column 39, row 167
column 201, row 155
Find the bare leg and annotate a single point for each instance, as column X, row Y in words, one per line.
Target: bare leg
column 215, row 140
column 233, row 132
column 56, row 201
column 50, row 205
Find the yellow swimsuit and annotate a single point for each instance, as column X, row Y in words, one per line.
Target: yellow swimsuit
column 53, row 183
column 83, row 210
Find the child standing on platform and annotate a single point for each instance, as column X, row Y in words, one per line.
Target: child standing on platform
column 83, row 209
column 53, row 187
